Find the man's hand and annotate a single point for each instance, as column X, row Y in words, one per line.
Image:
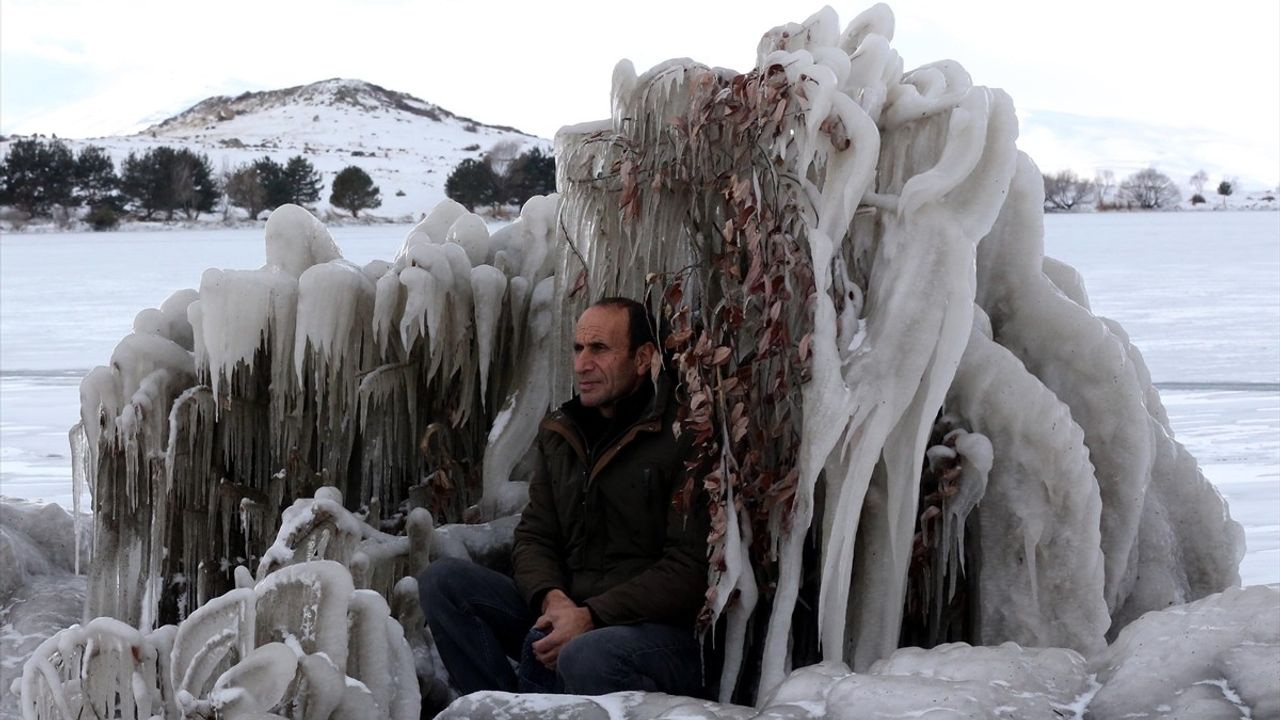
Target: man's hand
column 565, row 620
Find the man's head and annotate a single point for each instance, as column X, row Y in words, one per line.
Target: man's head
column 612, row 348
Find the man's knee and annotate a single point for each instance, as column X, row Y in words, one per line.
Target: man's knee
column 439, row 584
column 593, row 664
column 585, row 651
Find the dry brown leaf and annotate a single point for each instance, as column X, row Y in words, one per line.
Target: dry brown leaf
column 579, row 283
column 806, row 345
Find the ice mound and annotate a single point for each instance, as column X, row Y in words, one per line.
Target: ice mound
column 1215, row 657
column 35, row 540
column 618, row 706
column 39, row 592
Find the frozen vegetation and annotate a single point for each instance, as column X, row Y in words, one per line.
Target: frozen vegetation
column 913, row 429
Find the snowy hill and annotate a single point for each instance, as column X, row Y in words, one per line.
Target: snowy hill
column 407, row 145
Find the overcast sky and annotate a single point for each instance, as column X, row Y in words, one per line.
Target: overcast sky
column 1206, row 73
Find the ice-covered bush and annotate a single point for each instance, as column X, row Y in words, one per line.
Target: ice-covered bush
column 844, row 251
column 385, row 381
column 302, row 641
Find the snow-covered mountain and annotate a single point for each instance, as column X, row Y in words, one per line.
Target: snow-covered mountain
column 407, row 145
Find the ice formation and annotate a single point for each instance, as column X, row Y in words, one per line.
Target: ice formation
column 232, row 401
column 302, row 641
column 40, row 592
column 918, row 219
column 909, row 422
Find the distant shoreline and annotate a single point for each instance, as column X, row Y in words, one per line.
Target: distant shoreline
column 49, row 227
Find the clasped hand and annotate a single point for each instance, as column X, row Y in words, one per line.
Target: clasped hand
column 565, row 620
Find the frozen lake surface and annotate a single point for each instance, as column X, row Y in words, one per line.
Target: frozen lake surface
column 1199, row 293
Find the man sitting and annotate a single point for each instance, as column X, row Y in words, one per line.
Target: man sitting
column 610, row 571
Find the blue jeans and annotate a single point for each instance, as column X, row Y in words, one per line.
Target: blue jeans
column 480, row 624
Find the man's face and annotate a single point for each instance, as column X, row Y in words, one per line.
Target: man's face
column 604, row 365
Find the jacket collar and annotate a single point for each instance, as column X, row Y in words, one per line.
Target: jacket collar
column 569, row 418
column 636, row 407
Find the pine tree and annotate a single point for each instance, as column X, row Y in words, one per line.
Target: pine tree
column 38, row 175
column 353, row 190
column 472, row 183
column 303, row 181
column 274, row 181
column 141, row 183
column 96, row 179
column 533, row 173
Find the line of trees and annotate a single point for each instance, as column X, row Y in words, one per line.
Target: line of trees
column 1147, row 189
column 45, row 178
column 265, row 184
column 503, row 176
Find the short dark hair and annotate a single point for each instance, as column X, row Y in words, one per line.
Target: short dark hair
column 639, row 327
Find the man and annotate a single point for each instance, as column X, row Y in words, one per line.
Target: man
column 610, row 572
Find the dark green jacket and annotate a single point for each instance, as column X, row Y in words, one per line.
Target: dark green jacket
column 603, row 527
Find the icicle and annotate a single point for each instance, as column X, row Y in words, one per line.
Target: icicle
column 975, row 454
column 429, row 293
column 81, row 456
column 488, row 287
column 388, row 303
column 459, row 338
column 826, row 398
column 421, row 311
column 335, row 301
column 239, row 311
column 739, row 613
column 516, row 426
